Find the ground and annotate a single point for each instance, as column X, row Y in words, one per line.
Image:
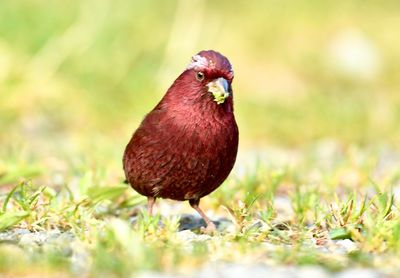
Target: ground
column 325, row 210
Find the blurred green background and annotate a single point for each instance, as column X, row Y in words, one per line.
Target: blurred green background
column 317, row 92
column 78, row 76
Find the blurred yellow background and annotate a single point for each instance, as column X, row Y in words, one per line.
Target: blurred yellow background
column 78, row 74
column 317, row 101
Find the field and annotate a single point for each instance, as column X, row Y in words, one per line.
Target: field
column 316, row 186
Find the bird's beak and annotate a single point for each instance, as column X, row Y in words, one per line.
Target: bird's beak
column 219, row 89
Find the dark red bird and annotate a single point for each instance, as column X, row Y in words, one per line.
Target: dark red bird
column 187, row 145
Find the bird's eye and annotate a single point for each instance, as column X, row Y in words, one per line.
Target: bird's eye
column 200, row 76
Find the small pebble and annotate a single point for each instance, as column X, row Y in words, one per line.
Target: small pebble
column 347, row 245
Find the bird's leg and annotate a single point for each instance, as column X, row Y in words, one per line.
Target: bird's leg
column 210, row 229
column 150, row 203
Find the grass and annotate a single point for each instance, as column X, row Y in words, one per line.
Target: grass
column 318, row 159
column 326, row 203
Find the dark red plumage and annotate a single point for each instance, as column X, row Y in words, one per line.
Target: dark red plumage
column 187, row 145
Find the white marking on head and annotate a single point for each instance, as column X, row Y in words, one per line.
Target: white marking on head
column 198, row 62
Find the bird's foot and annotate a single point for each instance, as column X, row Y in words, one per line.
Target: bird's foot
column 211, row 229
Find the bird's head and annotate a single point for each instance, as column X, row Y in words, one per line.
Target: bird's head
column 213, row 74
column 208, row 77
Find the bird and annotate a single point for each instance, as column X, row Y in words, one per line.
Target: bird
column 187, row 145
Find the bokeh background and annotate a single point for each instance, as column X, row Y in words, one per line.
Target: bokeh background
column 317, row 100
column 78, row 74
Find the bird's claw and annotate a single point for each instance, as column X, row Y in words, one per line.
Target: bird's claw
column 211, row 229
